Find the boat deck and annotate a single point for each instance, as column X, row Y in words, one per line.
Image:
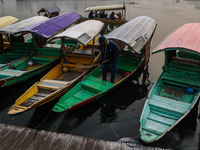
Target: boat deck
column 32, row 139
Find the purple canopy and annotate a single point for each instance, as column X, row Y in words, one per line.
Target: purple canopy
column 53, row 25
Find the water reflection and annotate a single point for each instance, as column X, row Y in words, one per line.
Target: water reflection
column 116, row 103
column 107, row 108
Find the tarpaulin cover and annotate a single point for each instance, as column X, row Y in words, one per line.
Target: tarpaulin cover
column 83, row 32
column 13, row 28
column 53, row 25
column 185, row 37
column 7, row 20
column 135, row 32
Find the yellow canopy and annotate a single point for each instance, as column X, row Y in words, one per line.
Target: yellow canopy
column 108, row 7
column 7, row 20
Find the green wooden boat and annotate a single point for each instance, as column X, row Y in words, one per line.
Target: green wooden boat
column 68, row 72
column 39, row 58
column 134, row 39
column 18, row 47
column 178, row 88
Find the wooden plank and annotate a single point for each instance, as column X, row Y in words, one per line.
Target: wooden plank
column 61, row 142
column 113, row 145
column 13, row 137
column 23, row 140
column 90, row 144
column 100, row 145
column 38, row 140
column 5, row 131
column 75, row 142
column 55, row 81
column 125, row 147
column 46, row 86
column 48, row 141
column 10, row 137
column 41, row 94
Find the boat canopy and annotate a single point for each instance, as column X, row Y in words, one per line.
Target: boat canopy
column 186, row 37
column 135, row 33
column 13, row 28
column 51, row 11
column 7, row 20
column 53, row 25
column 106, row 8
column 83, row 32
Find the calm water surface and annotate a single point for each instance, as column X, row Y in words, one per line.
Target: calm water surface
column 116, row 115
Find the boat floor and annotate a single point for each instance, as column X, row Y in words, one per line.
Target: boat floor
column 28, row 68
column 118, row 76
column 68, row 76
column 43, row 92
column 176, row 94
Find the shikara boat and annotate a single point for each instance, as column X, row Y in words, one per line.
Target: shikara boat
column 40, row 58
column 68, row 72
column 108, row 8
column 18, row 47
column 8, row 29
column 5, row 21
column 177, row 90
column 134, row 38
column 49, row 12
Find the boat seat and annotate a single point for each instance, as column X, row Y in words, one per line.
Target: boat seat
column 12, row 72
column 35, row 98
column 56, row 81
column 98, row 85
column 186, row 61
column 162, row 119
column 52, row 84
column 155, row 127
column 181, row 79
column 162, row 103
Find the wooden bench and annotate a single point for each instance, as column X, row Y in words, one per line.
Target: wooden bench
column 52, row 84
column 180, row 79
column 12, row 72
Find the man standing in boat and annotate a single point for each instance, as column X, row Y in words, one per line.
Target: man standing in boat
column 109, row 53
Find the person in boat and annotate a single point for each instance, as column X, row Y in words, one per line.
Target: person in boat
column 109, row 54
column 112, row 16
column 106, row 15
column 96, row 15
column 101, row 14
column 91, row 15
column 119, row 15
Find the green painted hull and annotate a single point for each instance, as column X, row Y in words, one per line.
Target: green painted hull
column 93, row 87
column 169, row 100
column 19, row 70
column 15, row 52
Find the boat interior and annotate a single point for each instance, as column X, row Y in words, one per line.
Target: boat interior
column 69, row 69
column 93, row 83
column 39, row 57
column 169, row 99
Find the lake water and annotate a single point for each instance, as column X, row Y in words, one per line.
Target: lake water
column 116, row 115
